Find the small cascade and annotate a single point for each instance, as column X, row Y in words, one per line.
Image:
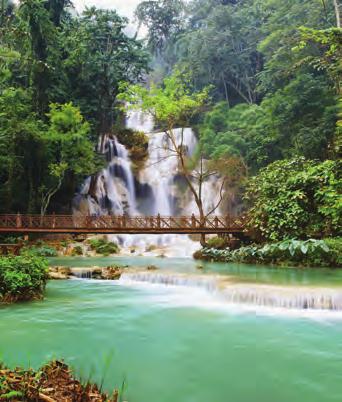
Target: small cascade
column 225, row 290
column 282, row 297
column 82, row 273
column 203, row 281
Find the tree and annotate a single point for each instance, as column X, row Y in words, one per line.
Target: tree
column 297, row 120
column 163, row 20
column 174, row 105
column 57, row 173
column 337, row 7
column 99, row 56
column 21, row 151
column 70, row 151
column 322, row 50
column 41, row 47
column 220, row 47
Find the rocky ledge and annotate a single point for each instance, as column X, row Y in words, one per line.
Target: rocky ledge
column 112, row 272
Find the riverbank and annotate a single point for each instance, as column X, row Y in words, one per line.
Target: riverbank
column 54, row 382
column 296, row 253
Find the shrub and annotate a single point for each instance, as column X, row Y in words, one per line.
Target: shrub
column 22, row 278
column 296, row 198
column 40, row 251
column 216, row 242
column 103, row 246
column 319, row 253
column 77, row 250
column 136, row 142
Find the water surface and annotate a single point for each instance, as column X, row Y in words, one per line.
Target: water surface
column 179, row 344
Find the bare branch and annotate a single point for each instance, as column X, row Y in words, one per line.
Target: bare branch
column 220, row 199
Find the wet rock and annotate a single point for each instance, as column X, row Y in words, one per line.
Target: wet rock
column 151, row 268
column 59, row 272
column 57, row 276
column 112, row 272
column 97, row 273
column 64, row 271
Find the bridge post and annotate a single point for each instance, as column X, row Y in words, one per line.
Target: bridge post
column 53, row 220
column 193, row 221
column 216, row 221
column 158, row 221
column 227, row 221
column 18, row 220
column 123, row 221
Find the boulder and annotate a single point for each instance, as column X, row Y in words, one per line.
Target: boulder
column 112, row 272
column 151, row 268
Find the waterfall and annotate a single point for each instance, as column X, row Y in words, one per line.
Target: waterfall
column 157, row 188
column 114, row 189
column 162, row 166
column 226, row 290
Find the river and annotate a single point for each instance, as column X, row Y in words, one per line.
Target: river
column 182, row 343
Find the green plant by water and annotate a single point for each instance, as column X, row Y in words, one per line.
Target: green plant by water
column 311, row 252
column 22, row 277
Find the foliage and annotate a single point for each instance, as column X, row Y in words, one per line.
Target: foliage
column 220, row 47
column 43, row 250
column 21, row 150
column 298, row 120
column 22, row 278
column 296, row 198
column 136, row 142
column 49, row 383
column 77, row 250
column 103, row 246
column 163, row 19
column 311, row 252
column 59, row 77
column 172, row 104
column 216, row 242
column 69, row 134
column 99, row 57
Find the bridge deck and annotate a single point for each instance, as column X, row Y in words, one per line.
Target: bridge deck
column 120, row 224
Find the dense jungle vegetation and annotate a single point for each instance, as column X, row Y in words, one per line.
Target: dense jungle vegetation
column 271, row 69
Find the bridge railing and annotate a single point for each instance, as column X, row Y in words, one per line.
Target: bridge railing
column 51, row 222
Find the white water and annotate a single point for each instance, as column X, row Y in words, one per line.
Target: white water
column 225, row 291
column 115, row 191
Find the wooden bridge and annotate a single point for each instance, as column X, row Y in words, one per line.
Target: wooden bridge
column 111, row 224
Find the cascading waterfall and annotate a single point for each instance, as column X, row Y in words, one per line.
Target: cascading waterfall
column 114, row 191
column 226, row 290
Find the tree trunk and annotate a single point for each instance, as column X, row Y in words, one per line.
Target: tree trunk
column 203, row 241
column 337, row 13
